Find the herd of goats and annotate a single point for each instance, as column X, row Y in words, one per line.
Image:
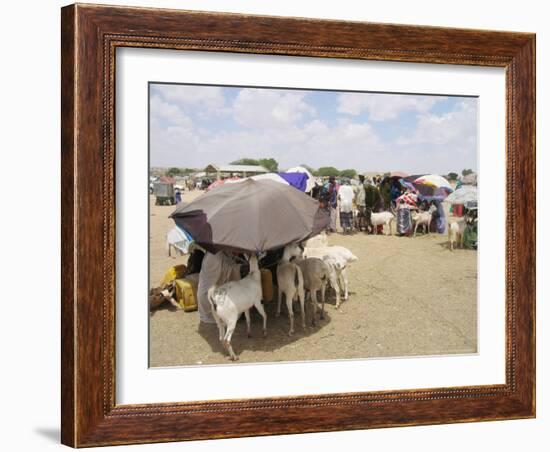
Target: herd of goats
column 302, row 269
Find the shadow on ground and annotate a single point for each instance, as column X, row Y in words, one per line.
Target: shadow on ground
column 277, row 329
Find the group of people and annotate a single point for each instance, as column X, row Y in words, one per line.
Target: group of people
column 366, row 196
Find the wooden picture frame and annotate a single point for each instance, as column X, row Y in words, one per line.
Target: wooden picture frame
column 90, row 35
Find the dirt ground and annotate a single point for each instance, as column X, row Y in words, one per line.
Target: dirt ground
column 408, row 296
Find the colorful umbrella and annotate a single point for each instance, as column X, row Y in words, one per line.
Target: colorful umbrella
column 434, row 180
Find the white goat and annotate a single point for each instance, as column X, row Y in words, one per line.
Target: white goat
column 231, row 299
column 424, row 219
column 338, row 259
column 316, row 275
column 317, row 241
column 379, row 218
column 456, row 233
column 290, row 282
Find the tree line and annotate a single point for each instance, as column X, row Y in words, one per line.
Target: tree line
column 273, row 166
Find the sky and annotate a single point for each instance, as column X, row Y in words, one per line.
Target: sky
column 193, row 126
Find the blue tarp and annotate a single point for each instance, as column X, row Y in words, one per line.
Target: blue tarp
column 297, row 180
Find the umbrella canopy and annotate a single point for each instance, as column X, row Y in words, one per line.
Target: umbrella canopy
column 251, row 216
column 310, row 179
column 296, row 180
column 221, row 182
column 271, row 176
column 435, row 181
column 463, row 195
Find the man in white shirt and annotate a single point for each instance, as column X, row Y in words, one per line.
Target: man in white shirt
column 346, row 195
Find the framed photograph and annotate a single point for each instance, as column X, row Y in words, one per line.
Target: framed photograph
column 281, row 225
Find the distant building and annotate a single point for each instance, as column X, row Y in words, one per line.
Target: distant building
column 222, row 171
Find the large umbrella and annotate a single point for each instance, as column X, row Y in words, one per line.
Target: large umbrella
column 251, row 216
column 463, row 195
column 310, row 179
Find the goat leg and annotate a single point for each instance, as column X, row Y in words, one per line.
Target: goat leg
column 323, row 289
column 302, row 299
column 247, row 317
column 313, row 296
column 290, row 314
column 279, row 299
column 227, row 341
column 261, row 310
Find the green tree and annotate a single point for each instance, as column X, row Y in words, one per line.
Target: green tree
column 328, row 171
column 174, row 172
column 270, row 164
column 452, row 176
column 349, row 173
column 245, row 161
column 465, row 172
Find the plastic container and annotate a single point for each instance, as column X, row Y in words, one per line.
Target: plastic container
column 267, row 284
column 186, row 294
column 175, row 272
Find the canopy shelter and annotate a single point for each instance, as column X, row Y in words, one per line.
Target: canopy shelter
column 221, row 171
column 296, row 180
column 463, row 195
column 251, row 216
column 219, row 182
column 310, row 182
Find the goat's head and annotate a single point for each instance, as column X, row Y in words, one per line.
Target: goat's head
column 293, row 250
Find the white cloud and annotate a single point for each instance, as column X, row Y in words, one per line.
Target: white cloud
column 447, row 141
column 270, row 108
column 284, row 125
column 382, row 107
column 167, row 112
column 454, row 127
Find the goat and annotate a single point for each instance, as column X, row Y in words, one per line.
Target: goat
column 338, row 259
column 456, row 233
column 316, row 274
column 290, row 282
column 231, row 299
column 424, row 219
column 382, row 218
column 317, row 241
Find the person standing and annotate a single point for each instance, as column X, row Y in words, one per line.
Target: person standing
column 178, row 195
column 332, row 201
column 346, row 195
column 360, row 203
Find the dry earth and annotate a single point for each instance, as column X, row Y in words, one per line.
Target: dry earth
column 408, row 296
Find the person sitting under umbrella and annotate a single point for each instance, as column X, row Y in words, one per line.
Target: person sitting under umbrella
column 216, row 269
